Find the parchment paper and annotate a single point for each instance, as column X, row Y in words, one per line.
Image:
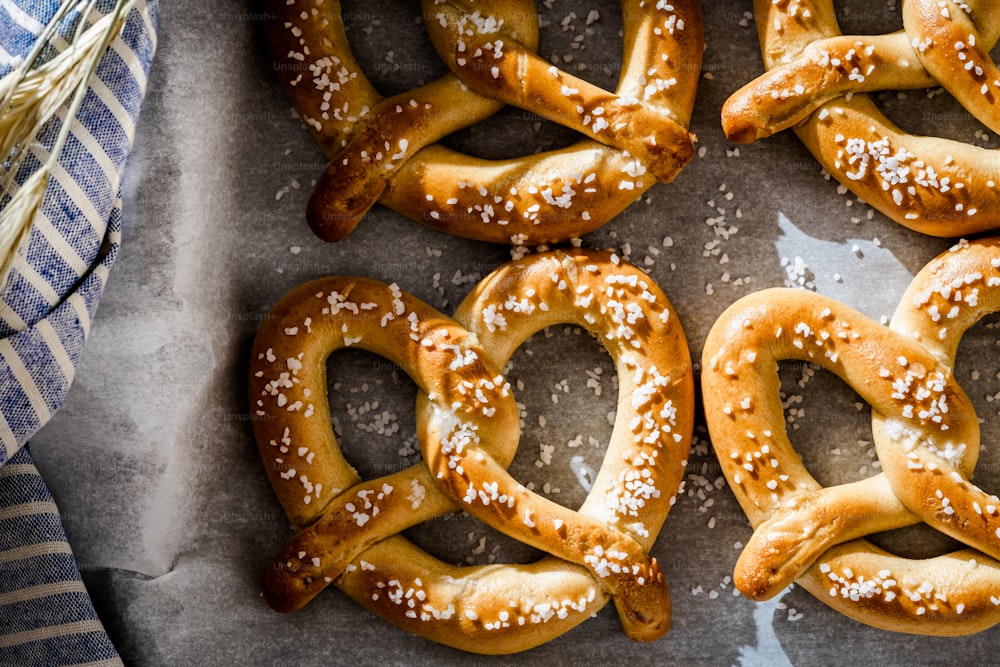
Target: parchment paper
column 152, row 460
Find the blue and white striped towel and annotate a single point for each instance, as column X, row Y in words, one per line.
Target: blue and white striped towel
column 46, row 616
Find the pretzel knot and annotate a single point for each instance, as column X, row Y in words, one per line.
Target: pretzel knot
column 816, row 81
column 925, row 432
column 467, row 423
column 383, row 149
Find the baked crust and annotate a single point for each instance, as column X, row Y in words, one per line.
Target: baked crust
column 925, row 431
column 816, row 83
column 467, row 424
column 384, row 149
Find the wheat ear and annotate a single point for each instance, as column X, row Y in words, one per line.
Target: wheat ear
column 32, row 96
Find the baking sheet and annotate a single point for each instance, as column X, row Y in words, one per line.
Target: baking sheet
column 152, row 459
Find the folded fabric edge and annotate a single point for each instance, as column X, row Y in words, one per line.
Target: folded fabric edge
column 39, row 358
column 48, row 617
column 37, row 365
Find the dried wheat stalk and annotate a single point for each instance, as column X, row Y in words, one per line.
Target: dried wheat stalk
column 32, row 94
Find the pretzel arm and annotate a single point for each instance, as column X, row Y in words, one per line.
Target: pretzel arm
column 956, row 51
column 740, row 375
column 496, row 65
column 827, row 69
column 830, row 67
column 787, row 544
column 785, row 29
column 535, row 199
column 934, row 187
column 614, row 559
column 384, row 140
column 489, row 609
column 946, row 596
column 318, row 77
column 354, row 521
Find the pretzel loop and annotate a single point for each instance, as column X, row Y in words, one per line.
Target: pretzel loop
column 926, row 435
column 615, row 527
column 385, row 150
column 396, row 128
column 319, row 490
column 467, row 425
column 954, row 292
column 816, row 81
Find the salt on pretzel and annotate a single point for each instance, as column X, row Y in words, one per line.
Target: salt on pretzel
column 383, row 149
column 815, row 83
column 926, row 435
column 467, row 425
column 617, row 524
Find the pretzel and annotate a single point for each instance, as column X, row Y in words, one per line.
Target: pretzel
column 467, row 425
column 816, row 83
column 926, row 435
column 383, row 149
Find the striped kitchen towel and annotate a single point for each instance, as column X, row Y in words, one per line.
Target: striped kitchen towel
column 46, row 616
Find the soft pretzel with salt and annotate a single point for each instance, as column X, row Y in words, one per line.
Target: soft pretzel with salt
column 384, row 149
column 926, row 434
column 467, row 425
column 816, row 82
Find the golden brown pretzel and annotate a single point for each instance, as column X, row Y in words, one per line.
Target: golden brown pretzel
column 467, row 425
column 926, row 435
column 816, row 81
column 383, row 149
